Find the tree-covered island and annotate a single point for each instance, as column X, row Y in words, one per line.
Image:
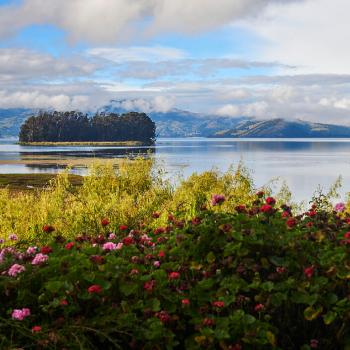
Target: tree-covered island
column 73, row 127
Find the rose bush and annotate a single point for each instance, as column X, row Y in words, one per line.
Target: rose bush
column 254, row 277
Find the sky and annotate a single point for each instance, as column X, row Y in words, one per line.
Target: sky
column 262, row 58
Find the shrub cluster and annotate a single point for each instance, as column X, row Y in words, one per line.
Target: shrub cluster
column 252, row 277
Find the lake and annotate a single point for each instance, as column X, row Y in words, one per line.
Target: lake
column 302, row 163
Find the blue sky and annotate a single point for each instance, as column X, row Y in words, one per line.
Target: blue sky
column 262, row 58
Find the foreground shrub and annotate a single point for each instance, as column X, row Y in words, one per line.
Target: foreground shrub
column 254, row 277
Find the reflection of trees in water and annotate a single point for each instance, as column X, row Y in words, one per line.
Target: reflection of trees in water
column 45, row 160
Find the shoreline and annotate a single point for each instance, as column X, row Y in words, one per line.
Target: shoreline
column 85, row 143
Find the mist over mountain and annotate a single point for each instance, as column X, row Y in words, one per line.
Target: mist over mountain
column 180, row 123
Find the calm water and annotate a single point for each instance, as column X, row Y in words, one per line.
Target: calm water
column 302, row 163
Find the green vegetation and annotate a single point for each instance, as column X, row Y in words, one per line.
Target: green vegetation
column 78, row 127
column 83, row 143
column 20, row 182
column 127, row 261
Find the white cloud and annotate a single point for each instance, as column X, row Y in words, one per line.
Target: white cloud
column 156, row 104
column 16, row 64
column 109, row 21
column 312, row 35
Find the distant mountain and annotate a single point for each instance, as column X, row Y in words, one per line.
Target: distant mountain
column 179, row 123
column 283, row 128
column 11, row 120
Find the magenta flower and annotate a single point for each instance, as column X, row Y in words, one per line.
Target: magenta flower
column 217, row 199
column 339, row 207
column 39, row 259
column 15, row 269
column 13, row 237
column 20, row 314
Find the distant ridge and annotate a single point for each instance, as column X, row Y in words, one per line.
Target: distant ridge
column 180, row 123
column 280, row 128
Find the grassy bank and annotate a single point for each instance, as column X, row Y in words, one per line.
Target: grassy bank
column 85, row 143
column 27, row 182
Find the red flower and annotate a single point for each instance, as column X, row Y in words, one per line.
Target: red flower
column 347, row 235
column 36, row 329
column 123, row 227
column 281, row 269
column 149, row 285
column 218, row 304
column 309, row 224
column 196, row 221
column 259, row 307
column 105, row 222
column 48, row 228
column 270, row 201
column 266, row 208
column 128, row 240
column 171, row 218
column 159, row 230
column 234, row 347
column 313, row 343
column 311, row 213
column 241, row 208
column 64, row 302
column 69, row 245
column 291, row 222
column 185, row 302
column 134, row 272
column 260, row 194
column 46, row 250
column 163, row 316
column 95, row 288
column 309, row 271
column 161, row 254
column 208, row 322
column 174, row 275
column 285, row 214
column 155, row 215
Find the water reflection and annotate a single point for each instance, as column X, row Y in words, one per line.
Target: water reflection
column 303, row 163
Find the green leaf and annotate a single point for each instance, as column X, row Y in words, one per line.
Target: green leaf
column 310, row 313
column 210, row 257
column 329, row 317
column 54, row 286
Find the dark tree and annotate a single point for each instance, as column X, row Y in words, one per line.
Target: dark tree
column 75, row 126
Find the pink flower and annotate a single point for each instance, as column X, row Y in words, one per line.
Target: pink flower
column 281, row 269
column 217, row 199
column 309, row 271
column 13, row 237
column 313, row 343
column 156, row 264
column 339, row 207
column 31, row 250
column 112, row 236
column 185, row 302
column 134, row 272
column 15, row 269
column 20, row 314
column 119, row 246
column 109, row 246
column 39, row 259
column 2, row 240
